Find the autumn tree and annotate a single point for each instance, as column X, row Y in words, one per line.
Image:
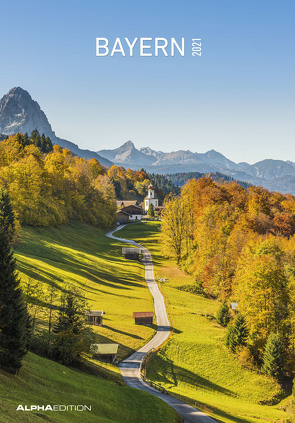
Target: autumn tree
column 174, row 228
column 261, row 289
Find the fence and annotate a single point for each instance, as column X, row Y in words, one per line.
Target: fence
column 143, row 373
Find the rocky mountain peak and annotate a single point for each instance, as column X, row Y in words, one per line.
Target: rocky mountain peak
column 128, row 145
column 20, row 113
column 18, row 91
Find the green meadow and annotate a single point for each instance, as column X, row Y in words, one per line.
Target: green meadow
column 194, row 364
column 81, row 255
column 42, row 382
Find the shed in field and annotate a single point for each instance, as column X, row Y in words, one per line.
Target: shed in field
column 123, row 217
column 143, row 317
column 95, row 317
column 131, row 253
column 105, row 351
column 234, row 307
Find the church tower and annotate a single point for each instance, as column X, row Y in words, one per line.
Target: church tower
column 150, row 198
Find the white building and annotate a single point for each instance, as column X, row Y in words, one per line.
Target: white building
column 150, row 198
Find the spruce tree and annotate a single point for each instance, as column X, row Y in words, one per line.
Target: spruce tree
column 26, row 140
column 241, row 330
column 223, row 316
column 70, row 328
column 13, row 318
column 273, row 356
column 237, row 333
column 151, row 210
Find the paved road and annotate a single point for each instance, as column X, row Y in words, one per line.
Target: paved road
column 130, row 368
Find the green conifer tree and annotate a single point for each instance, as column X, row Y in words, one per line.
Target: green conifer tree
column 26, row 140
column 13, row 317
column 70, row 328
column 273, row 356
column 223, row 316
column 237, row 334
column 151, row 210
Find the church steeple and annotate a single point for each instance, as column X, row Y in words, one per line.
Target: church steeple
column 150, row 198
column 151, row 191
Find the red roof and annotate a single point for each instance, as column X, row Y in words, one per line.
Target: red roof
column 143, row 314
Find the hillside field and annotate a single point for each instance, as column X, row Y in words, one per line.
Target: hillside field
column 194, row 364
column 42, row 382
column 81, row 255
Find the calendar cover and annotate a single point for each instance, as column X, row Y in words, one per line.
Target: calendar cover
column 147, row 211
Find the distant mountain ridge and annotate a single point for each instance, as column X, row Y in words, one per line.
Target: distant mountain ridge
column 275, row 175
column 20, row 113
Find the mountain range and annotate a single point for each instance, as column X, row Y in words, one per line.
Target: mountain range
column 20, row 113
column 275, row 175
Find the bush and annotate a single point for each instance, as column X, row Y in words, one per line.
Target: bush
column 43, row 344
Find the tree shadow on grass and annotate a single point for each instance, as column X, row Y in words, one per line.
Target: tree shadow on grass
column 88, row 273
column 180, row 374
column 122, row 332
column 222, row 414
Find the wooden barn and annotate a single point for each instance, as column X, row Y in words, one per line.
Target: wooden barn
column 143, row 318
column 135, row 212
column 123, row 217
column 128, row 211
column 131, row 253
column 105, row 351
column 123, row 203
column 95, row 317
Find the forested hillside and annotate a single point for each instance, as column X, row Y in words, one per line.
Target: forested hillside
column 133, row 184
column 49, row 185
column 179, row 179
column 239, row 244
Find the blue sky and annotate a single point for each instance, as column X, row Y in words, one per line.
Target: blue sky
column 238, row 98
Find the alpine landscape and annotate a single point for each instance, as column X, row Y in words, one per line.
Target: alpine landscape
column 144, row 286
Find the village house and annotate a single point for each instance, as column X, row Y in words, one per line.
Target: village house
column 128, row 211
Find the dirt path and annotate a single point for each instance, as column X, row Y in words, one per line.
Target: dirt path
column 130, row 368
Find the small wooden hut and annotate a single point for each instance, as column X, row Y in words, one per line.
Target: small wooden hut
column 123, row 217
column 234, row 307
column 143, row 318
column 95, row 317
column 131, row 253
column 105, row 351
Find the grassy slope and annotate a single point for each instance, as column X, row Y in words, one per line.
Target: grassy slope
column 194, row 364
column 81, row 255
column 42, row 382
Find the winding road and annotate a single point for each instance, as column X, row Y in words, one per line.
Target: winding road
column 130, row 368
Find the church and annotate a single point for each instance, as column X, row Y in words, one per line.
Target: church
column 150, row 198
